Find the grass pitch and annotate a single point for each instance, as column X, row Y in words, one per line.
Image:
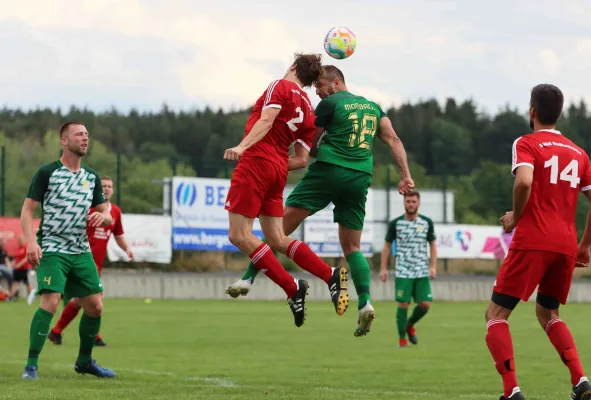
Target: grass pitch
column 239, row 349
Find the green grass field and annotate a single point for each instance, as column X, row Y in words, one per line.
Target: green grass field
column 251, row 350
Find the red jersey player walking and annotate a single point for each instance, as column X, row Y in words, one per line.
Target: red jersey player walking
column 550, row 171
column 98, row 238
column 281, row 116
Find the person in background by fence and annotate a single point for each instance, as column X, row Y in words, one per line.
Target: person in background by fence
column 98, row 238
column 21, row 271
column 411, row 231
column 5, row 264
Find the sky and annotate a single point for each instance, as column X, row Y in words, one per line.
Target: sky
column 189, row 54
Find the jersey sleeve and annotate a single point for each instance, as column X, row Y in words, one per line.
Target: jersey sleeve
column 586, row 177
column 391, row 232
column 276, row 95
column 431, row 231
column 380, row 112
column 98, row 197
column 39, row 185
column 118, row 229
column 324, row 112
column 522, row 154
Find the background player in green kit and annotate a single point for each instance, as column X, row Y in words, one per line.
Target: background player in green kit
column 346, row 125
column 66, row 190
column 411, row 231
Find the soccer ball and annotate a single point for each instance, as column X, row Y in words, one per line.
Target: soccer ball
column 340, row 42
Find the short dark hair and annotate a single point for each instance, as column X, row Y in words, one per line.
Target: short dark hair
column 106, row 178
column 414, row 193
column 547, row 101
column 66, row 125
column 330, row 73
column 308, row 68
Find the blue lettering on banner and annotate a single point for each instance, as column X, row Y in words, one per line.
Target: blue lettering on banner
column 322, row 249
column 204, row 239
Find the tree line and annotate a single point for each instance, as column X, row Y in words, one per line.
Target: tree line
column 451, row 145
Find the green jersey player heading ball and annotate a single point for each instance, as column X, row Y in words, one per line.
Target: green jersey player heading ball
column 346, row 125
column 66, row 190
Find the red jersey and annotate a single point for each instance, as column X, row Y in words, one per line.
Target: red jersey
column 21, row 254
column 561, row 171
column 295, row 122
column 99, row 236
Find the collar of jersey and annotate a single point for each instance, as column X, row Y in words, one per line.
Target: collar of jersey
column 551, row 131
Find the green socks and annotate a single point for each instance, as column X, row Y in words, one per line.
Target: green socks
column 401, row 320
column 251, row 272
column 89, row 329
column 417, row 314
column 38, row 334
column 359, row 269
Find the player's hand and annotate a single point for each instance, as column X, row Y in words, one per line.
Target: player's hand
column 34, row 254
column 406, row 185
column 129, row 253
column 384, row 275
column 508, row 222
column 583, row 255
column 96, row 219
column 433, row 272
column 234, row 153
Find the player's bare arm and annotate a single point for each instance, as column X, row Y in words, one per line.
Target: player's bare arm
column 316, row 141
column 388, row 135
column 258, row 132
column 524, row 177
column 583, row 253
column 386, row 251
column 102, row 216
column 299, row 159
column 433, row 267
column 27, row 223
column 122, row 243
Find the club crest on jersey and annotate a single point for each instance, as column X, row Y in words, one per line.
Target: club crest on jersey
column 420, row 228
column 85, row 184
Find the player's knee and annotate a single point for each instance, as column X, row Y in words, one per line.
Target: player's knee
column 94, row 309
column 403, row 305
column 49, row 302
column 546, row 311
column 237, row 238
column 425, row 305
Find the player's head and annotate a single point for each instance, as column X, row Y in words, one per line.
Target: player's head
column 412, row 201
column 74, row 138
column 306, row 68
column 545, row 105
column 331, row 81
column 107, row 183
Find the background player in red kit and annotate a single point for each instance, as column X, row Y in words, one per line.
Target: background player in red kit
column 281, row 116
column 550, row 171
column 98, row 237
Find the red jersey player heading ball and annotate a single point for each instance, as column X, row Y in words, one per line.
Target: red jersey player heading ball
column 550, row 171
column 281, row 116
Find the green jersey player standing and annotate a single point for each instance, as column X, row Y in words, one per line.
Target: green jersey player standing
column 346, row 125
column 66, row 190
column 411, row 232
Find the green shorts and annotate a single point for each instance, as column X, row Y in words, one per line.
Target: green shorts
column 72, row 275
column 325, row 183
column 418, row 289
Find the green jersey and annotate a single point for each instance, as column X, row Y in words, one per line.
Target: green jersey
column 350, row 123
column 66, row 198
column 411, row 237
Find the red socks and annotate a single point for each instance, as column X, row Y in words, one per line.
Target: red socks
column 68, row 314
column 305, row 258
column 500, row 345
column 264, row 260
column 564, row 344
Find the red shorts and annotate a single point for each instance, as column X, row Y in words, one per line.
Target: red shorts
column 523, row 270
column 256, row 188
